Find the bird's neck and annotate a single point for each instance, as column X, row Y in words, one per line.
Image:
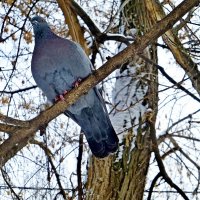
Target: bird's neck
column 44, row 33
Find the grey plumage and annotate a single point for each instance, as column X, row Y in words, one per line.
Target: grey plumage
column 56, row 64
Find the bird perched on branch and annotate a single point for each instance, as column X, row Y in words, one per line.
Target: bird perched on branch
column 57, row 66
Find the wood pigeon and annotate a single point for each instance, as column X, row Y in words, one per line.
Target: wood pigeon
column 57, row 66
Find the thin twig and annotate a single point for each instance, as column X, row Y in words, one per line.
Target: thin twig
column 161, row 69
column 49, row 156
column 79, row 174
column 4, row 174
column 160, row 163
column 18, row 91
column 95, row 31
column 153, row 185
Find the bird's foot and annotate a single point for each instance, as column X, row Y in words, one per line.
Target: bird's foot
column 77, row 83
column 61, row 97
column 65, row 92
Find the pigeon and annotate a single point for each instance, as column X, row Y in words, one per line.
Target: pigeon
column 58, row 65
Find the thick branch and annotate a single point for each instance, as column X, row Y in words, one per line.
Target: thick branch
column 10, row 120
column 10, row 129
column 18, row 140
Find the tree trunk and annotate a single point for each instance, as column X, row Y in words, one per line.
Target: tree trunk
column 123, row 176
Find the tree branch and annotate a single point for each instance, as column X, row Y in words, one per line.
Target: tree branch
column 79, row 174
column 49, row 157
column 18, row 91
column 6, row 179
column 160, row 163
column 177, row 49
column 16, row 122
column 153, row 185
column 85, row 17
column 95, row 31
column 188, row 158
column 10, row 129
column 178, row 85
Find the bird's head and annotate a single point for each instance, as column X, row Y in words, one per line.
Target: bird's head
column 40, row 26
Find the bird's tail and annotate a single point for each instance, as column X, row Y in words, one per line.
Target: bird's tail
column 99, row 132
column 102, row 143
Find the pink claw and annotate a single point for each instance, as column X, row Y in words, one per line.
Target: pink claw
column 59, row 98
column 65, row 92
column 77, row 82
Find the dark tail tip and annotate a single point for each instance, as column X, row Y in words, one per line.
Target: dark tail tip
column 103, row 148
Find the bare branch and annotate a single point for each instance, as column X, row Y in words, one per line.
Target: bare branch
column 153, row 185
column 177, row 49
column 178, row 85
column 18, row 91
column 188, row 158
column 79, row 160
column 16, row 122
column 49, row 156
column 75, row 29
column 5, row 178
column 95, row 31
column 160, row 163
column 10, row 129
